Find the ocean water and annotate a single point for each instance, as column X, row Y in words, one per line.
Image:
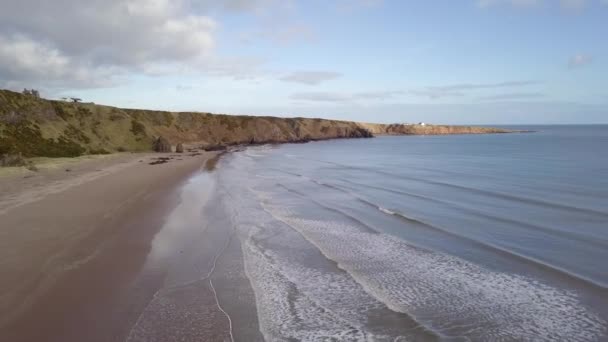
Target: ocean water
column 464, row 238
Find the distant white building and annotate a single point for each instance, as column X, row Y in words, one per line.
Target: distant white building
column 422, row 124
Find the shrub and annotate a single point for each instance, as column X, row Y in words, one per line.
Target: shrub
column 115, row 117
column 137, row 128
column 26, row 138
column 58, row 106
column 76, row 134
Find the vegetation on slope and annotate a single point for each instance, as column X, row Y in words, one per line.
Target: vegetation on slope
column 33, row 127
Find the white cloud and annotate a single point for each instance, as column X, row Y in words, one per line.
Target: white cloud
column 311, row 77
column 379, row 95
column 452, row 90
column 468, row 86
column 255, row 6
column 113, row 31
column 290, row 34
column 321, row 97
column 67, row 43
column 344, row 97
column 237, row 68
column 280, row 34
column 579, row 60
column 513, row 96
column 435, row 93
column 24, row 60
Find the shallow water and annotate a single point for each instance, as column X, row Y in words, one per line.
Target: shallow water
column 472, row 237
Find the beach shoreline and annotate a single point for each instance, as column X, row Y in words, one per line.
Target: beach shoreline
column 75, row 236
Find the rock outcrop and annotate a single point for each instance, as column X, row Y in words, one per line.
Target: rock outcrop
column 162, row 145
column 179, row 148
column 12, row 160
column 16, row 160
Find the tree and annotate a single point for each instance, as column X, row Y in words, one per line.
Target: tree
column 75, row 99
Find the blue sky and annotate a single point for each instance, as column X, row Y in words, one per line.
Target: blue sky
column 457, row 62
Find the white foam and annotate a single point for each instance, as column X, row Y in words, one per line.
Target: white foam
column 288, row 308
column 294, row 300
column 447, row 293
column 253, row 154
column 386, row 211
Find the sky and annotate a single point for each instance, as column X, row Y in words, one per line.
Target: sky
column 436, row 61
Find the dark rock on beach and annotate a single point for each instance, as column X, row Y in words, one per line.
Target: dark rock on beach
column 162, row 145
column 12, row 160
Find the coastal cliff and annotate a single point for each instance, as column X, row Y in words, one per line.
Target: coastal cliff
column 38, row 127
column 426, row 129
column 33, row 127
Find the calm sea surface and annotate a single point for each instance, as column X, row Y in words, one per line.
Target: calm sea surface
column 471, row 237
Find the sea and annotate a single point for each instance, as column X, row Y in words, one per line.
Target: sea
column 493, row 237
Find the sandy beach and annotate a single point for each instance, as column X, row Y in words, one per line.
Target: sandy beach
column 74, row 238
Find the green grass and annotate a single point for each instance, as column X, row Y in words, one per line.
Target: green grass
column 137, row 128
column 25, row 138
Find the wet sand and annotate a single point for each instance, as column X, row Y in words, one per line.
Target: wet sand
column 203, row 293
column 75, row 250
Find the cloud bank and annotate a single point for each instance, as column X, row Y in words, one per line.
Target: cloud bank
column 71, row 43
